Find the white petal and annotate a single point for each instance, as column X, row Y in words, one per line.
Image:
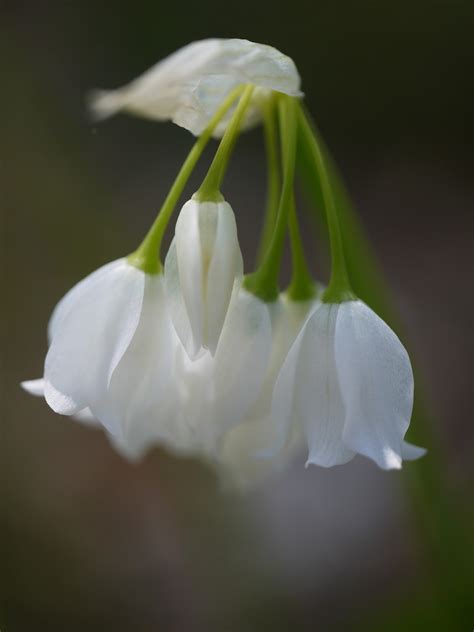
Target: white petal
column 215, row 393
column 71, row 298
column 176, row 302
column 190, row 266
column 189, row 85
column 159, row 91
column 225, row 267
column 242, row 355
column 142, row 376
column 376, row 382
column 91, row 337
column 411, row 452
column 34, row 387
column 201, row 267
column 318, row 402
column 86, row 417
column 249, row 451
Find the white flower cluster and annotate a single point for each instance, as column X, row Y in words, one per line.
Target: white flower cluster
column 192, row 360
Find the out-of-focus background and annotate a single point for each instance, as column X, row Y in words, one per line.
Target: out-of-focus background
column 90, row 542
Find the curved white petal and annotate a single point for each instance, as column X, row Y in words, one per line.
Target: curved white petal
column 139, row 383
column 249, row 449
column 225, row 267
column 34, row 387
column 201, row 267
column 318, row 400
column 215, row 393
column 176, row 304
column 376, row 382
column 412, row 452
column 91, row 337
column 74, row 295
column 189, row 85
column 191, row 266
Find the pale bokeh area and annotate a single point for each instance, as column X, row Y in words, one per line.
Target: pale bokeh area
column 90, row 542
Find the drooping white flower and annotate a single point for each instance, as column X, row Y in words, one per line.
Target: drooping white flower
column 110, row 347
column 203, row 264
column 347, row 381
column 188, row 86
column 211, row 394
column 247, row 454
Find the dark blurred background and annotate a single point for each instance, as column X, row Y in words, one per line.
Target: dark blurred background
column 90, row 542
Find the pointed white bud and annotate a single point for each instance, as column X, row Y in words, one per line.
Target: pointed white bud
column 203, row 263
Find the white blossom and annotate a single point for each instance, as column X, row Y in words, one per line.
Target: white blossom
column 247, row 455
column 110, row 348
column 203, row 264
column 347, row 383
column 211, row 394
column 188, row 86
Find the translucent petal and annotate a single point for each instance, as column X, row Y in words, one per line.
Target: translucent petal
column 71, row 298
column 191, row 270
column 318, row 401
column 376, row 382
column 36, row 388
column 189, row 85
column 215, row 393
column 225, row 267
column 91, row 338
column 140, row 380
column 248, row 452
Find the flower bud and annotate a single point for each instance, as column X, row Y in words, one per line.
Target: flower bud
column 203, row 264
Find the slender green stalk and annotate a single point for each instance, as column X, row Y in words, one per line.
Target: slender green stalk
column 264, row 281
column 439, row 504
column 210, row 188
column 339, row 288
column 147, row 256
column 270, row 128
column 302, row 286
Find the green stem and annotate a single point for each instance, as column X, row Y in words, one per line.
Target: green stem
column 439, row 504
column 264, row 282
column 147, row 255
column 273, row 175
column 210, row 188
column 302, row 287
column 339, row 288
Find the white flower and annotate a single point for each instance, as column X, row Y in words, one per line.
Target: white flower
column 110, row 348
column 188, row 86
column 211, row 394
column 203, row 263
column 247, row 454
column 347, row 381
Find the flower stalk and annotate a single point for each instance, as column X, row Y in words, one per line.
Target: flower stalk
column 264, row 281
column 209, row 191
column 147, row 256
column 339, row 288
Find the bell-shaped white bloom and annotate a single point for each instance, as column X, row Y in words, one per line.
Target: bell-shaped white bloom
column 203, row 263
column 247, row 454
column 110, row 347
column 188, row 86
column 348, row 383
column 211, row 394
